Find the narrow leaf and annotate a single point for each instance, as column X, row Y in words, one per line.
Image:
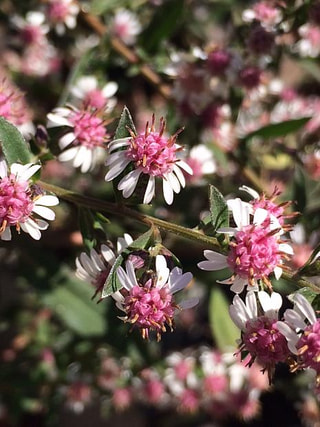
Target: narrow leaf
column 278, row 129
column 223, row 329
column 218, row 209
column 124, row 124
column 112, row 283
column 14, row 146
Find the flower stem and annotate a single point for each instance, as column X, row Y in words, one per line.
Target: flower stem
column 187, row 233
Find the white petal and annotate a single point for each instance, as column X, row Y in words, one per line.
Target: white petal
column 277, row 272
column 180, row 175
column 6, row 234
column 116, row 169
column 183, row 165
column 150, row 190
column 80, row 156
column 123, row 242
column 174, row 182
column 108, row 254
column 251, row 304
column 31, row 228
column 294, row 319
column 66, row 140
column 131, row 273
column 291, row 337
column 190, row 303
column 56, row 120
column 305, row 308
column 249, row 190
column 47, row 200
column 215, row 261
column 68, row 154
column 118, row 143
column 181, row 283
column 88, row 264
column 286, row 248
column 238, row 285
column 124, row 280
column 110, row 89
column 167, row 192
column 44, row 212
column 129, row 182
column 87, row 162
column 25, row 175
column 115, row 157
column 3, row 169
column 241, row 213
column 97, row 260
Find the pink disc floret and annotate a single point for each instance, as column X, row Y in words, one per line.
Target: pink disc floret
column 152, row 152
column 255, row 253
column 149, row 307
column 16, row 202
column 89, row 129
column 309, row 347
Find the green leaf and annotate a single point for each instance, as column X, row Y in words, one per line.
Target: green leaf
column 218, row 209
column 14, row 146
column 91, row 227
column 112, row 283
column 223, row 329
column 99, row 7
column 71, row 302
column 124, row 124
column 276, row 130
column 164, row 23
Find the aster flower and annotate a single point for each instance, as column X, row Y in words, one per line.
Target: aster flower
column 202, row 162
column 85, row 139
column 256, row 250
column 62, row 14
column 87, row 90
column 152, row 154
column 264, row 12
column 96, row 267
column 21, row 201
column 32, row 28
column 302, row 331
column 149, row 303
column 126, row 26
column 261, row 336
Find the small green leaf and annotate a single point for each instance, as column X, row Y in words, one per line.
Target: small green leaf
column 14, row 146
column 276, row 130
column 124, row 124
column 112, row 283
column 223, row 329
column 218, row 209
column 91, row 227
column 71, row 301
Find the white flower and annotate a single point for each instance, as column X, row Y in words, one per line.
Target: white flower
column 87, row 90
column 62, row 14
column 86, row 138
column 20, row 200
column 151, row 154
column 126, row 26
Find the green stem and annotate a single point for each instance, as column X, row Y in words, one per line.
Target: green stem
column 187, row 233
column 116, row 209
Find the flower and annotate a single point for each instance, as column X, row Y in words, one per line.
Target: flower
column 149, row 153
column 265, row 13
column 255, row 250
column 302, row 331
column 20, row 200
column 86, row 89
column 86, row 136
column 32, row 29
column 202, row 162
column 308, row 45
column 62, row 13
column 261, row 336
column 96, row 267
column 149, row 303
column 126, row 26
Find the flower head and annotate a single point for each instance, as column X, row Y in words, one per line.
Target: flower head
column 87, row 90
column 32, row 29
column 148, row 303
column 21, row 201
column 126, row 26
column 62, row 14
column 255, row 251
column 152, row 154
column 260, row 334
column 96, row 267
column 86, row 137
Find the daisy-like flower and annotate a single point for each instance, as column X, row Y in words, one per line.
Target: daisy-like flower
column 256, row 250
column 87, row 90
column 149, row 303
column 33, row 28
column 21, row 201
column 62, row 14
column 149, row 153
column 84, row 140
column 202, row 162
column 302, row 331
column 96, row 268
column 126, row 26
column 261, row 336
column 264, row 12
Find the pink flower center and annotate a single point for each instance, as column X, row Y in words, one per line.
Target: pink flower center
column 95, row 98
column 309, row 347
column 153, row 153
column 15, row 201
column 149, row 308
column 58, row 11
column 255, row 253
column 88, row 129
column 264, row 341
